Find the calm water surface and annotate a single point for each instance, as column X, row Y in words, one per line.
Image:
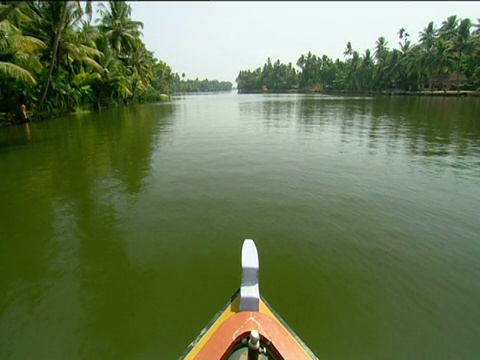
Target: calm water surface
column 121, row 231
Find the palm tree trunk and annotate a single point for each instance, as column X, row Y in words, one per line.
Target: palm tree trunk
column 134, row 90
column 458, row 73
column 9, row 9
column 54, row 52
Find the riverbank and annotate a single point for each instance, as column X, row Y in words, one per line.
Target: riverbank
column 446, row 93
column 36, row 116
column 32, row 117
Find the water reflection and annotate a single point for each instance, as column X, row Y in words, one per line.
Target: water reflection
column 61, row 250
column 111, row 222
column 422, row 126
column 437, row 130
column 275, row 112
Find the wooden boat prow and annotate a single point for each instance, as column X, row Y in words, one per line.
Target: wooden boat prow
column 247, row 327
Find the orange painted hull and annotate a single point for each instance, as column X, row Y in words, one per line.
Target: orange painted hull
column 229, row 329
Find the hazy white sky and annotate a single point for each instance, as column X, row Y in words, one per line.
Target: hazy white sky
column 216, row 40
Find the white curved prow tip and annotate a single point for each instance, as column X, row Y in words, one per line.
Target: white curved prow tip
column 249, row 289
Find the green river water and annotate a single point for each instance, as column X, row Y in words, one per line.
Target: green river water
column 121, row 230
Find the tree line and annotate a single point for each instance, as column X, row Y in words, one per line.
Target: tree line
column 186, row 86
column 449, row 54
column 55, row 59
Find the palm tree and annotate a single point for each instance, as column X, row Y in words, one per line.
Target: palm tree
column 140, row 66
column 302, row 63
column 380, row 54
column 114, row 81
column 17, row 53
column 56, row 23
column 121, row 31
column 395, row 67
column 58, row 33
column 6, row 10
column 380, row 49
column 352, row 71
column 163, row 77
column 415, row 65
column 366, row 70
column 402, row 34
column 405, row 47
column 428, row 36
column 15, row 4
column 80, row 47
column 443, row 58
column 348, row 50
column 461, row 44
column 449, row 28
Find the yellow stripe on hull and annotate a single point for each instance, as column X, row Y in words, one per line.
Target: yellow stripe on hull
column 231, row 310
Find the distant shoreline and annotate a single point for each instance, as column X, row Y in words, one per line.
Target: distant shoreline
column 438, row 93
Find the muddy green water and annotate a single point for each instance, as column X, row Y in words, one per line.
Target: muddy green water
column 121, row 231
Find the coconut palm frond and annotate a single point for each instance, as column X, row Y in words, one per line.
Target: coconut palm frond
column 7, row 27
column 84, row 78
column 93, row 64
column 19, row 58
column 16, row 72
column 25, row 43
column 90, row 51
column 72, row 50
column 124, row 90
column 34, row 64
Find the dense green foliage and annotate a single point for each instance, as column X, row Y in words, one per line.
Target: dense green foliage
column 444, row 58
column 201, row 85
column 274, row 77
column 54, row 59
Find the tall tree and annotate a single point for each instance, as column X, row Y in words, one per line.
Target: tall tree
column 380, row 54
column 449, row 28
column 348, row 50
column 428, row 35
column 56, row 41
column 461, row 44
column 443, row 59
column 428, row 38
column 121, row 31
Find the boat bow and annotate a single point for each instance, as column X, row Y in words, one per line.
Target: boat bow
column 247, row 327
